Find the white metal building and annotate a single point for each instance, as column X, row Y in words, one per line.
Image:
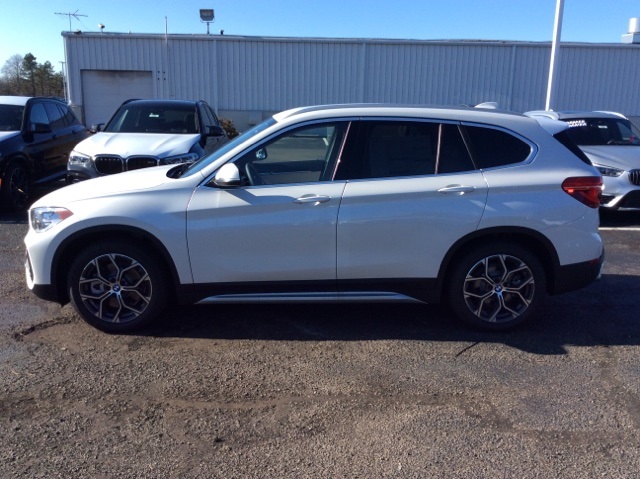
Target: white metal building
column 248, row 78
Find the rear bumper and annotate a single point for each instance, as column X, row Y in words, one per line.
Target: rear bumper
column 578, row 275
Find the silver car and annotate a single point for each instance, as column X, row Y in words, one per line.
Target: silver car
column 612, row 143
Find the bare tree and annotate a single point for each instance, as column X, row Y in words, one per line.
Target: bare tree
column 25, row 76
column 12, row 73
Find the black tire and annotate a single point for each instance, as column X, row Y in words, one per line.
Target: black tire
column 496, row 287
column 14, row 193
column 117, row 287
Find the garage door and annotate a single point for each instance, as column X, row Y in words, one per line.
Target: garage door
column 103, row 91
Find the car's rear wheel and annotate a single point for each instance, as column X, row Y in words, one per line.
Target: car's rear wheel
column 496, row 286
column 117, row 287
column 14, row 192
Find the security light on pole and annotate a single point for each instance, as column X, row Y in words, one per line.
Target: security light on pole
column 207, row 15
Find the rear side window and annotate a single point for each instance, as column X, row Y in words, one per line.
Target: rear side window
column 491, row 147
column 387, row 149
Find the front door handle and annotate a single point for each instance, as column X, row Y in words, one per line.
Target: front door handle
column 457, row 189
column 316, row 199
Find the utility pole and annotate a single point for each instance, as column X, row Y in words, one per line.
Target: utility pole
column 555, row 47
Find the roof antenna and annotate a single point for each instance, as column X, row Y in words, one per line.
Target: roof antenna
column 70, row 15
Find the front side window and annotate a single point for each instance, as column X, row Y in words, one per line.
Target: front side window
column 56, row 117
column 305, row 154
column 38, row 116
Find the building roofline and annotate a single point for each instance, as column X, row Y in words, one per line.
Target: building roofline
column 387, row 41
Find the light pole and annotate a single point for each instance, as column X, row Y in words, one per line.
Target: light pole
column 555, row 46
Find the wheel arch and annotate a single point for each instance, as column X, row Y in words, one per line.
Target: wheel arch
column 532, row 240
column 65, row 253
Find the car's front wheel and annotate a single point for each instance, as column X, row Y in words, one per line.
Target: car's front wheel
column 117, row 287
column 496, row 286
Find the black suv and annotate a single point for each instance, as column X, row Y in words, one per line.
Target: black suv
column 36, row 136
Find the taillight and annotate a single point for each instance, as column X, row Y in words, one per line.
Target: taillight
column 585, row 189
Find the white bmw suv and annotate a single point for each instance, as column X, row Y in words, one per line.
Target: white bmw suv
column 484, row 210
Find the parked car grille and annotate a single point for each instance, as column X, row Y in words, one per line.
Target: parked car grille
column 634, row 177
column 108, row 165
column 137, row 162
column 111, row 164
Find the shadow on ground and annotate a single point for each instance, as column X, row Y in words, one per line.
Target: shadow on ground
column 590, row 317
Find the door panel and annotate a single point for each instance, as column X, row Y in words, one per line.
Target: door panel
column 264, row 233
column 403, row 227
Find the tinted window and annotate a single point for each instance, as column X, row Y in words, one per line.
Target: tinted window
column 211, row 118
column 38, row 115
column 302, row 155
column 56, row 118
column 69, row 117
column 491, row 147
column 11, row 117
column 405, row 148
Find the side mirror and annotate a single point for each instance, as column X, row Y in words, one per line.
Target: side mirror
column 228, row 176
column 214, row 131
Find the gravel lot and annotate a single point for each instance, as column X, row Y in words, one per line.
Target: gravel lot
column 324, row 391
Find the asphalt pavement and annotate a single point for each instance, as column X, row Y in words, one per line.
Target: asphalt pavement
column 325, row 391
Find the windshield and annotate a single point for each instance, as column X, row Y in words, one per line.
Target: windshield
column 603, row 131
column 11, row 117
column 154, row 118
column 213, row 156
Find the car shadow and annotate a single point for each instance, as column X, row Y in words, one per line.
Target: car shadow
column 619, row 218
column 603, row 314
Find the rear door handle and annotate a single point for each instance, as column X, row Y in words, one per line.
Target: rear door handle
column 457, row 189
column 317, row 199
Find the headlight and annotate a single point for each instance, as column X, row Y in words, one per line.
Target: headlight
column 609, row 170
column 76, row 158
column 184, row 158
column 46, row 217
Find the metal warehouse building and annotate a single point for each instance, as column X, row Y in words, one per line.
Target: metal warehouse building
column 248, row 78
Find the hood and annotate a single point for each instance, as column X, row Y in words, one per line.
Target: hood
column 104, row 186
column 625, row 157
column 128, row 144
column 4, row 135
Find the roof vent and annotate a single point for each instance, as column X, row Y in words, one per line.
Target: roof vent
column 633, row 35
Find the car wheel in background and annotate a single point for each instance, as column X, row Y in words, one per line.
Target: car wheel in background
column 14, row 191
column 496, row 286
column 117, row 287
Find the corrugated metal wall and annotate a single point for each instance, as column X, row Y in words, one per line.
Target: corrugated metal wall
column 272, row 74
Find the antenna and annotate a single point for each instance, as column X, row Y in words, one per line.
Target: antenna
column 69, row 15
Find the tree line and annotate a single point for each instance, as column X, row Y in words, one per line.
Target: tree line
column 24, row 76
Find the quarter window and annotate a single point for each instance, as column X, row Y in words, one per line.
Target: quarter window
column 491, row 147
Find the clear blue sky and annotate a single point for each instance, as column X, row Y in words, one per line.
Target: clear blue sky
column 32, row 26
